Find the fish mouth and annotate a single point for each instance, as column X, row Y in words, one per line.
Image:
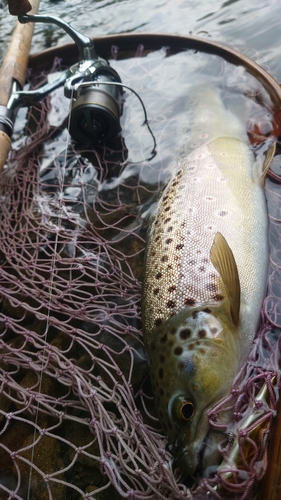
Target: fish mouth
column 209, row 456
column 186, row 459
column 197, row 462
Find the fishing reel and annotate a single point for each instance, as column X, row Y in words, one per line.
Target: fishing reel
column 96, row 105
column 92, row 85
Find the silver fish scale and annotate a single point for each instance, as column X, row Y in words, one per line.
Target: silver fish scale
column 213, row 191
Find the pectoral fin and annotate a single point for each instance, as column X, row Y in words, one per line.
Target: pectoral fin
column 223, row 260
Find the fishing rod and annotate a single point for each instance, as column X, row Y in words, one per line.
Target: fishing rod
column 13, row 71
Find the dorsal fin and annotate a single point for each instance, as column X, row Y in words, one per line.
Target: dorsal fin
column 269, row 155
column 223, row 260
column 262, row 165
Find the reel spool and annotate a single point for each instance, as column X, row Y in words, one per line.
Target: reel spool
column 95, row 113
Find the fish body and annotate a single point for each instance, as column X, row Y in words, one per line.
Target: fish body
column 205, row 277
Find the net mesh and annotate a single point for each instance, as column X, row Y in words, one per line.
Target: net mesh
column 77, row 416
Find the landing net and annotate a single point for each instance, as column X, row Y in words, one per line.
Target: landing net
column 77, row 416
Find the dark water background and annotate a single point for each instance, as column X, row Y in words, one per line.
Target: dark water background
column 251, row 26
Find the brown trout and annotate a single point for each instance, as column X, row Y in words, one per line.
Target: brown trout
column 205, row 278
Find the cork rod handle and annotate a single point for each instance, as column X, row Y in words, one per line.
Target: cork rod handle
column 15, row 62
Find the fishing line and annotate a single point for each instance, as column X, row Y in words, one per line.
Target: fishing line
column 61, row 175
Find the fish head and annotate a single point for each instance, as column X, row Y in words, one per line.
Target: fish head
column 196, row 357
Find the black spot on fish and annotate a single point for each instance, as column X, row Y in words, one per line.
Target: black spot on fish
column 192, row 262
column 214, row 331
column 179, row 246
column 171, row 304
column 198, row 252
column 158, row 276
column 168, row 241
column 164, row 258
column 164, row 339
column 218, row 297
column 211, row 287
column 162, row 358
column 167, row 220
column 170, row 228
column 202, row 333
column 167, row 209
column 178, row 351
column 157, row 238
column 161, row 373
column 190, row 346
column 205, row 260
column 202, row 350
column 185, row 334
column 189, row 301
column 158, row 322
column 172, row 288
column 223, row 213
column 195, row 315
column 156, row 291
column 207, row 310
column 202, row 269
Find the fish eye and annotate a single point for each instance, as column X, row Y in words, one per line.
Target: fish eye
column 186, row 410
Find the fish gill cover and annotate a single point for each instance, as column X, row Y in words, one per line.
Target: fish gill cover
column 77, row 413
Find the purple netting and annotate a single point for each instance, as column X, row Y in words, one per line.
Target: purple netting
column 76, row 410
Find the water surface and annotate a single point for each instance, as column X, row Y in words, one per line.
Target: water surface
column 252, row 27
